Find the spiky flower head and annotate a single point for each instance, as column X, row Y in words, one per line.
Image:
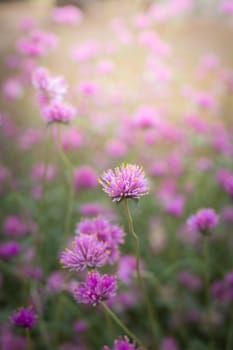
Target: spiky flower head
column 87, row 251
column 24, row 317
column 96, row 288
column 126, row 181
column 122, row 344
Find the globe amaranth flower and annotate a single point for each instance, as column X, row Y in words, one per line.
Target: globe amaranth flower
column 96, row 288
column 24, row 317
column 58, row 112
column 203, row 221
column 112, row 235
column 121, row 344
column 126, row 181
column 86, row 252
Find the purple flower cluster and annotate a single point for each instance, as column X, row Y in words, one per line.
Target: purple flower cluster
column 95, row 244
column 203, row 221
column 86, row 252
column 122, row 344
column 24, row 317
column 96, row 288
column 126, row 181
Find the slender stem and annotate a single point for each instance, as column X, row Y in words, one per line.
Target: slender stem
column 139, row 277
column 69, row 166
column 120, row 324
column 29, row 341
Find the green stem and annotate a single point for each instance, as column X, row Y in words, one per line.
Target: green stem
column 139, row 277
column 69, row 166
column 29, row 341
column 121, row 325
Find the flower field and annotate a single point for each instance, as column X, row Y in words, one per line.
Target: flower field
column 116, row 176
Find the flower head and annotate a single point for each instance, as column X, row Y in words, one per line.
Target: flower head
column 126, row 181
column 96, row 288
column 112, row 235
column 24, row 317
column 203, row 221
column 86, row 251
column 122, row 344
column 59, row 112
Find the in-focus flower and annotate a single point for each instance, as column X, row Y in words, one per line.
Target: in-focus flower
column 203, row 221
column 121, row 344
column 59, row 112
column 86, row 252
column 112, row 235
column 24, row 317
column 126, row 181
column 96, row 288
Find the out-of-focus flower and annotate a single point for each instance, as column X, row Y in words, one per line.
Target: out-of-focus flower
column 55, row 281
column 96, row 288
column 14, row 226
column 86, row 252
column 189, row 280
column 67, row 15
column 37, row 43
column 80, row 326
column 12, row 89
column 85, row 177
column 9, row 249
column 126, row 181
column 24, row 317
column 169, row 343
column 203, row 221
column 126, row 268
column 58, row 112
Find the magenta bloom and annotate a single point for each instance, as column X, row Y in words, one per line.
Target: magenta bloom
column 9, row 249
column 96, row 288
column 121, row 344
column 24, row 317
column 203, row 221
column 126, row 181
column 86, row 252
column 59, row 112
